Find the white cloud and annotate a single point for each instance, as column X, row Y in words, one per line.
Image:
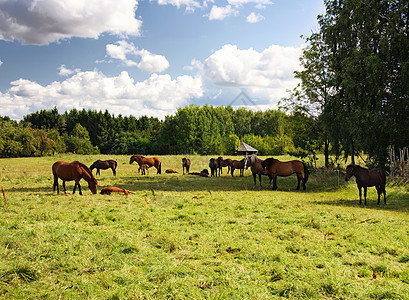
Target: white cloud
column 191, row 5
column 268, row 73
column 42, row 22
column 254, row 18
column 259, row 3
column 157, row 96
column 147, row 61
column 64, row 71
column 220, row 13
column 1, row 63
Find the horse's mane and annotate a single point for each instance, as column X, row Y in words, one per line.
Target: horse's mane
column 86, row 169
column 268, row 162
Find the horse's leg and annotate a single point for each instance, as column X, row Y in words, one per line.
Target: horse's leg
column 255, row 181
column 113, row 171
column 275, row 187
column 63, row 185
column 298, row 185
column 55, row 184
column 232, row 171
column 79, row 188
column 365, row 190
column 379, row 191
column 360, row 194
column 269, row 182
column 259, row 179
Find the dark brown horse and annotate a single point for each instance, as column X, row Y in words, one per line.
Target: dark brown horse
column 256, row 168
column 213, row 165
column 104, row 165
column 236, row 164
column 185, row 164
column 73, row 171
column 150, row 161
column 366, row 178
column 275, row 168
column 224, row 163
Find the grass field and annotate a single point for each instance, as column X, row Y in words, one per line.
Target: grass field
column 188, row 237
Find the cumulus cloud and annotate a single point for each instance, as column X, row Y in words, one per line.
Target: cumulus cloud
column 259, row 3
column 220, row 13
column 268, row 73
column 157, row 96
column 64, row 71
column 147, row 61
column 190, row 5
column 1, row 62
column 42, row 22
column 254, row 18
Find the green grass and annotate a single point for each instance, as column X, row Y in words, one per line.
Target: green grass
column 187, row 237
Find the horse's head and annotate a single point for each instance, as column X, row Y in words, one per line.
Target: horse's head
column 247, row 162
column 92, row 184
column 349, row 172
column 133, row 158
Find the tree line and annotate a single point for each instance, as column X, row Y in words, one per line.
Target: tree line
column 192, row 129
column 355, row 80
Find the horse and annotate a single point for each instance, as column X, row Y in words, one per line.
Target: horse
column 185, row 164
column 274, row 168
column 223, row 163
column 213, row 165
column 104, row 165
column 144, row 168
column 170, row 171
column 203, row 173
column 150, row 161
column 109, row 190
column 73, row 171
column 256, row 168
column 366, row 178
column 236, row 164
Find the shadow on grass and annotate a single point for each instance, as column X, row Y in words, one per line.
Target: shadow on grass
column 396, row 200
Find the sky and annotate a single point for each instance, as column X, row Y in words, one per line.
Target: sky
column 134, row 57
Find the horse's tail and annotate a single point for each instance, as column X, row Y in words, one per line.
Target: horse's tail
column 306, row 173
column 115, row 164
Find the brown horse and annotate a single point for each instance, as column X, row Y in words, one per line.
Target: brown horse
column 224, row 163
column 256, row 168
column 73, row 171
column 185, row 164
column 275, row 168
column 236, row 164
column 366, row 178
column 150, row 161
column 214, row 166
column 104, row 165
column 109, row 190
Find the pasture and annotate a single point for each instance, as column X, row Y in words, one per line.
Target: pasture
column 189, row 237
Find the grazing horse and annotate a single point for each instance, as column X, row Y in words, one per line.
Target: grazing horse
column 73, row 171
column 213, row 165
column 150, row 161
column 366, row 178
column 185, row 164
column 256, row 168
column 236, row 164
column 104, row 164
column 224, row 163
column 275, row 168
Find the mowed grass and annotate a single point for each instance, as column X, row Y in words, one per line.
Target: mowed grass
column 188, row 237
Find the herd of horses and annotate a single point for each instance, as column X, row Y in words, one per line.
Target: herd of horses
column 271, row 167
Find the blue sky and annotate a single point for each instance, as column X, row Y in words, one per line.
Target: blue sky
column 149, row 57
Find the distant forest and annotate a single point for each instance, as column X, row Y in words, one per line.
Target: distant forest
column 191, row 130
